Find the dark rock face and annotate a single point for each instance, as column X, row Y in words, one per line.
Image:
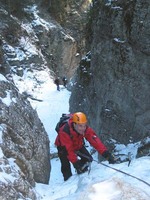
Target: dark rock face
column 113, row 90
column 24, row 137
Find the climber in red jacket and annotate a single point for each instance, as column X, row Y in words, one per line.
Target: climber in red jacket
column 70, row 145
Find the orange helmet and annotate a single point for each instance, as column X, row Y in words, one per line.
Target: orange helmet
column 79, row 118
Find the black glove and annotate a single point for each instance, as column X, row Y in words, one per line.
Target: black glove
column 108, row 156
column 78, row 166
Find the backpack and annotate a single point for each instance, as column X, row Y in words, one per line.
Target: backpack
column 63, row 120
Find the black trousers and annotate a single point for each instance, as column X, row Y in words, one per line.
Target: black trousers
column 65, row 164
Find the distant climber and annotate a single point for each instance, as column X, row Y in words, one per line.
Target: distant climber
column 65, row 81
column 57, row 82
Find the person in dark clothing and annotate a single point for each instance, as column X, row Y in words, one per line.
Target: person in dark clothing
column 57, row 82
column 64, row 79
column 70, row 145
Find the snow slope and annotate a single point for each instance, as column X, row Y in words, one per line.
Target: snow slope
column 102, row 182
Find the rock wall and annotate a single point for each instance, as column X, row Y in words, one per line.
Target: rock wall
column 68, row 48
column 23, row 136
column 112, row 88
column 36, row 24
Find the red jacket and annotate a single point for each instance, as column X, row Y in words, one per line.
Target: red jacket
column 74, row 141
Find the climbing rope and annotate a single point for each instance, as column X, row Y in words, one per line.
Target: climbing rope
column 118, row 170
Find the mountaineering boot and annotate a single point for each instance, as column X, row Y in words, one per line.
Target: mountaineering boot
column 67, row 177
column 85, row 167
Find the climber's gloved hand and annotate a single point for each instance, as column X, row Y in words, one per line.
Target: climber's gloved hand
column 108, row 156
column 78, row 166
